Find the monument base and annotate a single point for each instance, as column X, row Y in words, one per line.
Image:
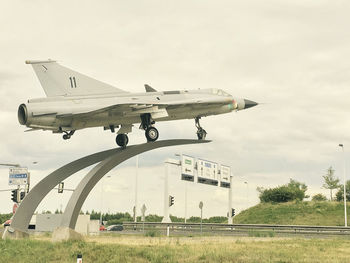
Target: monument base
column 65, row 233
column 11, row 233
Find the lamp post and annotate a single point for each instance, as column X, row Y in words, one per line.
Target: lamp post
column 344, row 172
column 246, row 183
column 102, row 181
column 136, row 186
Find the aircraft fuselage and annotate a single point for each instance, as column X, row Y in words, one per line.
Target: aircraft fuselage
column 63, row 113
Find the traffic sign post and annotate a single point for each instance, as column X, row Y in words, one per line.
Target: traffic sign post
column 230, row 220
column 143, row 211
column 168, row 162
column 19, row 176
column 201, row 208
column 208, row 172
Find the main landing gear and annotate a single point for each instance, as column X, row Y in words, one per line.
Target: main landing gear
column 201, row 133
column 147, row 123
column 67, row 135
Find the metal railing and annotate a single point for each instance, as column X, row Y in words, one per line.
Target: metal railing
column 231, row 229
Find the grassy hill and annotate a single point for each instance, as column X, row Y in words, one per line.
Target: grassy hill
column 295, row 213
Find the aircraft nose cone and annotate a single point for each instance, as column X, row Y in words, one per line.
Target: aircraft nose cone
column 249, row 103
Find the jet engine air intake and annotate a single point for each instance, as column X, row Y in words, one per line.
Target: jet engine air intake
column 22, row 114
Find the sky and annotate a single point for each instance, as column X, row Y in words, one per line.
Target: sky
column 293, row 57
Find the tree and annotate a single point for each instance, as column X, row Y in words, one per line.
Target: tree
column 340, row 194
column 330, row 181
column 319, row 198
column 301, row 188
column 294, row 190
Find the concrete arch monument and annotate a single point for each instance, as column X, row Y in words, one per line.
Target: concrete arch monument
column 108, row 160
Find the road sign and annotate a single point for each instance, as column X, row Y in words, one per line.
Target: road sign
column 225, row 173
column 207, row 172
column 187, row 168
column 200, row 205
column 19, row 176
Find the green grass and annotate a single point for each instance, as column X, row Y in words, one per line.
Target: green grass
column 152, row 233
column 294, row 213
column 145, row 249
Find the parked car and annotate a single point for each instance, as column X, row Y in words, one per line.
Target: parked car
column 102, row 228
column 7, row 222
column 115, row 228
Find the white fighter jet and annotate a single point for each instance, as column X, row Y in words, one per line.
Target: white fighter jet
column 75, row 101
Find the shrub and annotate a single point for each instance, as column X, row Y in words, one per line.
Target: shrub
column 319, row 198
column 152, row 233
column 294, row 190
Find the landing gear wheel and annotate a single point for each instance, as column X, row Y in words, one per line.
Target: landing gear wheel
column 152, row 134
column 67, row 135
column 201, row 133
column 122, row 140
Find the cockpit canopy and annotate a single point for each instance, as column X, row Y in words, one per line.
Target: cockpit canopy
column 220, row 92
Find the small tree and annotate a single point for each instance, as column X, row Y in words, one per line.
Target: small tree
column 300, row 188
column 330, row 181
column 319, row 198
column 340, row 194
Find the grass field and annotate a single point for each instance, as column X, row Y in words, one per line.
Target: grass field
column 295, row 213
column 185, row 249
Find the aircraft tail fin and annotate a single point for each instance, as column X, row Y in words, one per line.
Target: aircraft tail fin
column 57, row 80
column 149, row 88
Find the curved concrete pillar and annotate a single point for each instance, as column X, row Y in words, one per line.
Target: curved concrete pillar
column 25, row 211
column 28, row 206
column 71, row 213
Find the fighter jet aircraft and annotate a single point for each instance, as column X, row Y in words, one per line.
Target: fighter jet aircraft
column 75, row 101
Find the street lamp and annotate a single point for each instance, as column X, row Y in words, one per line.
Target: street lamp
column 246, row 183
column 108, row 176
column 344, row 171
column 180, row 156
column 136, row 186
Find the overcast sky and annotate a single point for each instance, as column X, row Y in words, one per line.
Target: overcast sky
column 292, row 56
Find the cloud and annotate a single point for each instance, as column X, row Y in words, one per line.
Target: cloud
column 291, row 55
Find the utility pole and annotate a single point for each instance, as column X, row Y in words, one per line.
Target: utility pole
column 185, row 202
column 136, row 185
column 230, row 202
column 166, row 218
column 344, row 171
column 168, row 162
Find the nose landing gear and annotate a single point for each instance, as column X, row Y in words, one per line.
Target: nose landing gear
column 201, row 133
column 67, row 135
